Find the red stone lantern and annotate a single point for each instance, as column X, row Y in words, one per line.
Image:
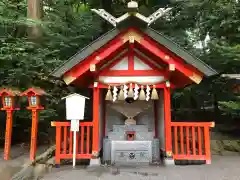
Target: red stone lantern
column 9, row 103
column 33, row 95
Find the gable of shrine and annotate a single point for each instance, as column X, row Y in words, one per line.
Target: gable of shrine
column 133, row 54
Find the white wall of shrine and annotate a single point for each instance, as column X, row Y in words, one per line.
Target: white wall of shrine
column 146, row 117
column 113, row 117
column 126, row 79
column 138, row 65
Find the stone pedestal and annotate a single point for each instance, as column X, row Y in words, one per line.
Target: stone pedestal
column 95, row 162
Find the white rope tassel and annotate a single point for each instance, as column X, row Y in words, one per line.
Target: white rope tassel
column 109, row 94
column 142, row 94
column 154, row 95
column 148, row 93
column 121, row 94
column 136, row 92
column 130, row 92
column 115, row 93
column 125, row 89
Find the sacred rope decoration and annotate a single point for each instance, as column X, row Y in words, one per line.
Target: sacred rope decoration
column 132, row 91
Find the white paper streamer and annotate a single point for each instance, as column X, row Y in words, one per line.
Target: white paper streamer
column 136, row 92
column 125, row 89
column 148, row 93
column 115, row 93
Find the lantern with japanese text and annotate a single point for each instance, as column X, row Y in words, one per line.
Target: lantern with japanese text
column 9, row 104
column 33, row 95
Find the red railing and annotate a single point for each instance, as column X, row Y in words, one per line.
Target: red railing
column 191, row 140
column 64, row 141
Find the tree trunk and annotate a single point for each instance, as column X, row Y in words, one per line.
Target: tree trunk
column 35, row 12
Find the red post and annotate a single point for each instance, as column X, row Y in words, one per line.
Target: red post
column 58, row 145
column 155, row 105
column 33, row 95
column 34, row 132
column 8, row 134
column 96, row 99
column 167, row 118
column 207, row 144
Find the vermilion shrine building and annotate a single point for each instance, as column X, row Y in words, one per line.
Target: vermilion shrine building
column 134, row 59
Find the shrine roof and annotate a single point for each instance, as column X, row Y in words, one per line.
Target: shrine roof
column 158, row 37
column 35, row 90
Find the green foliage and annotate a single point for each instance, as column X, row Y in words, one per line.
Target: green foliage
column 220, row 20
column 68, row 26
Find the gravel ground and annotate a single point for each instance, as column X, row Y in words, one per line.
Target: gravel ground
column 18, row 156
column 222, row 168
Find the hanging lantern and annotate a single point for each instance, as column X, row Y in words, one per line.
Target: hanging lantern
column 154, row 95
column 121, row 94
column 109, row 94
column 130, row 92
column 142, row 94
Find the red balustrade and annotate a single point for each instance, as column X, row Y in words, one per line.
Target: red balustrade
column 64, row 141
column 191, row 140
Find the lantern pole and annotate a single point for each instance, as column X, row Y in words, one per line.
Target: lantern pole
column 8, row 106
column 8, row 134
column 74, row 148
column 75, row 129
column 34, row 132
column 33, row 96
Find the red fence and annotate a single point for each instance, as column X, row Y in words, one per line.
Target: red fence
column 64, row 141
column 191, row 140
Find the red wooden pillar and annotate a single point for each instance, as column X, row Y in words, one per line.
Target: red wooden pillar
column 34, row 132
column 156, row 117
column 96, row 100
column 8, row 134
column 167, row 121
column 58, row 145
column 207, row 144
column 104, row 118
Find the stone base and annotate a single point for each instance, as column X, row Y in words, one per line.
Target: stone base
column 95, row 162
column 168, row 161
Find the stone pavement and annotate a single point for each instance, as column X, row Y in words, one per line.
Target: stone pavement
column 222, row 168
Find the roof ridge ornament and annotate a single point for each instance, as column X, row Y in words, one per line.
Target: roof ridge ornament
column 132, row 5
